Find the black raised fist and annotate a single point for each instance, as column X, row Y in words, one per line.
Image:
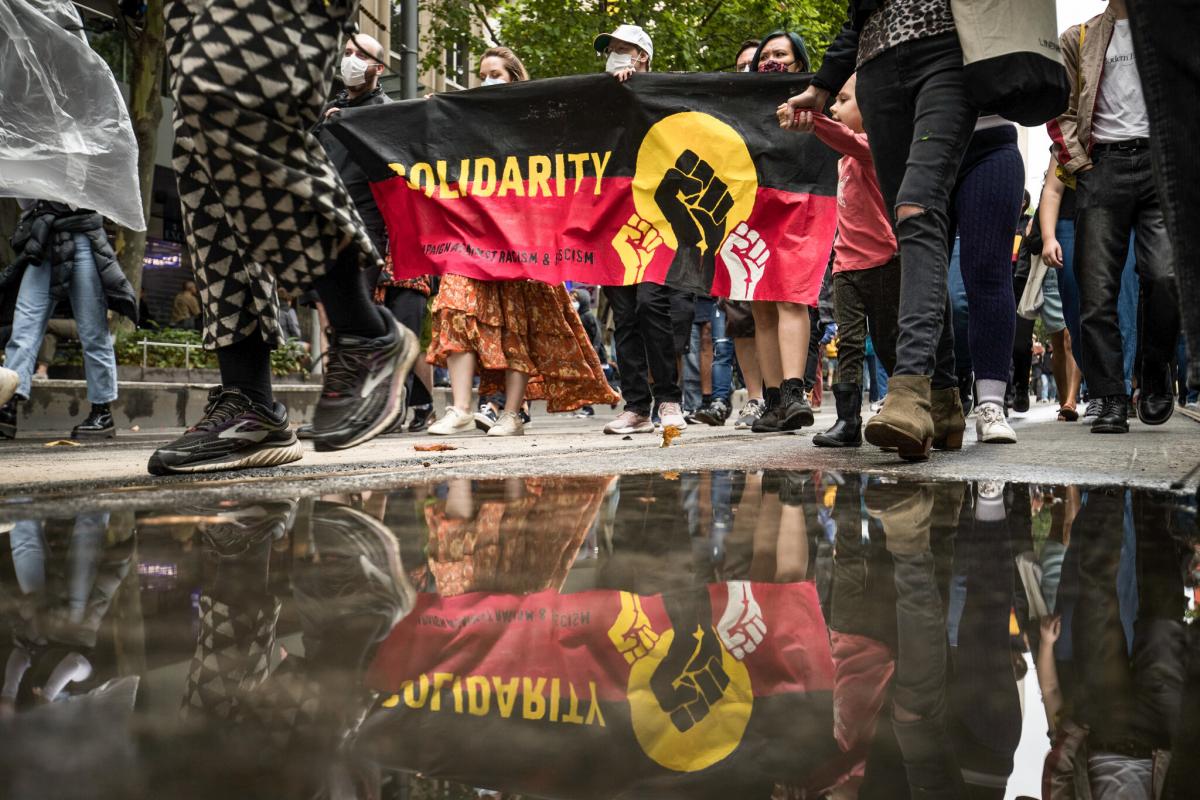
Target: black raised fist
column 691, row 678
column 696, row 203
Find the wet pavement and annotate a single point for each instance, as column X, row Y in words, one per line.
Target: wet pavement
column 702, row 634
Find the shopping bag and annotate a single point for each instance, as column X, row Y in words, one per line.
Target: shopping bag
column 1012, row 62
column 1032, row 298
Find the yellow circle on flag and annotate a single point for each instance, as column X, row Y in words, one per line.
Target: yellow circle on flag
column 709, row 740
column 716, row 144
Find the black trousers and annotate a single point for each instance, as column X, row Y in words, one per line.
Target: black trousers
column 645, row 344
column 1116, row 197
column 866, row 301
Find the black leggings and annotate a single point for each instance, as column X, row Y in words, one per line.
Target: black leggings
column 408, row 307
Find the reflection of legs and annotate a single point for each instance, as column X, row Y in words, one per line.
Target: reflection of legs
column 460, row 500
column 1101, row 651
column 28, row 555
column 791, row 549
column 766, row 538
column 83, row 560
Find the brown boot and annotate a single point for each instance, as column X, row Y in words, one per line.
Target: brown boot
column 905, row 510
column 904, row 422
column 948, row 420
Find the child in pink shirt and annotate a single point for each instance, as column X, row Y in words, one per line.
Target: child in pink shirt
column 866, row 267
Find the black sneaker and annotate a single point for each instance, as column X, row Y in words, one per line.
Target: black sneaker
column 355, row 573
column 361, row 397
column 8, row 419
column 715, row 413
column 234, row 433
column 486, row 417
column 422, row 418
column 233, row 530
column 98, row 425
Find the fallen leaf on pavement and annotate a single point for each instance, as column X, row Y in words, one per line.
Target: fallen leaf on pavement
column 671, row 476
column 670, row 433
column 63, row 443
column 433, row 448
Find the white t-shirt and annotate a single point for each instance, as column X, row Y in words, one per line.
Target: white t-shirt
column 1120, row 107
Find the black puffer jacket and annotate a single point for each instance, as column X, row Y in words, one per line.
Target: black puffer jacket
column 48, row 230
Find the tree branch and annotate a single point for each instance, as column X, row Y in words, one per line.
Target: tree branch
column 711, row 12
column 482, row 14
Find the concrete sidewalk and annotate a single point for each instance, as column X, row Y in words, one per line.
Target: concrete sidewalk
column 60, row 478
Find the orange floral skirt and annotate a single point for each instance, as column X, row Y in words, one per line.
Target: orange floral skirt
column 527, row 326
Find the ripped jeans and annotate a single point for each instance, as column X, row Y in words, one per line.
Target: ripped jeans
column 919, row 121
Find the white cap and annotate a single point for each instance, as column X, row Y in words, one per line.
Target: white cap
column 630, row 34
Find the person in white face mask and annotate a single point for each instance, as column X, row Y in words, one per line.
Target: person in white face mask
column 628, row 50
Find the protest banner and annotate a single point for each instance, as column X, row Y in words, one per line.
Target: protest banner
column 679, row 179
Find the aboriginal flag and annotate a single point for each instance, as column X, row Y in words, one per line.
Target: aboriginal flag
column 682, row 179
column 608, row 693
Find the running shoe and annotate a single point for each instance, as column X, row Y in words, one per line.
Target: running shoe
column 714, row 414
column 234, row 433
column 486, row 417
column 629, row 422
column 364, row 379
column 354, row 573
column 236, row 529
column 671, row 416
column 991, row 426
column 453, row 421
column 750, row 414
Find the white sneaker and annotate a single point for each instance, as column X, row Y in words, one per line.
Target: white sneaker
column 629, row 422
column 750, row 414
column 453, row 421
column 991, row 426
column 9, row 380
column 876, row 407
column 671, row 415
column 509, row 424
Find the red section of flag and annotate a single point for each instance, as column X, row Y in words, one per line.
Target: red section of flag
column 570, row 238
column 569, row 636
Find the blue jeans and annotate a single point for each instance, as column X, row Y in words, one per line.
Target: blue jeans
column 722, row 364
column 958, row 311
column 90, row 308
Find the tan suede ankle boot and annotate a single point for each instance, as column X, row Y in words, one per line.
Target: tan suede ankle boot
column 904, row 422
column 948, row 420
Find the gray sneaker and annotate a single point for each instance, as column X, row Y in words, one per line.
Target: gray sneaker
column 749, row 415
column 1093, row 410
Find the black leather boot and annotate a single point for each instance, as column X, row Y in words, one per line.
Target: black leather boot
column 98, row 425
column 795, row 412
column 1156, row 401
column 847, row 431
column 8, row 419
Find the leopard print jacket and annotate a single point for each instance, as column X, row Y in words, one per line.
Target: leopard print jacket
column 899, row 21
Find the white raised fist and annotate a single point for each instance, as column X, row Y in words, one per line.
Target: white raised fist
column 745, row 255
column 742, row 626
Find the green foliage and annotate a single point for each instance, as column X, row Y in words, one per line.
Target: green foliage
column 554, row 37
column 290, row 359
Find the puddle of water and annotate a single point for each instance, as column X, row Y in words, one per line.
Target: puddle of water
column 723, row 634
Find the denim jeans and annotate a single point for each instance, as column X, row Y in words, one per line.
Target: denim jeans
column 83, row 557
column 645, row 343
column 1116, row 197
column 959, row 313
column 88, row 304
column 722, row 363
column 916, row 113
column 1163, row 37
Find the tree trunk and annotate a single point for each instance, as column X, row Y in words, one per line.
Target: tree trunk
column 145, row 112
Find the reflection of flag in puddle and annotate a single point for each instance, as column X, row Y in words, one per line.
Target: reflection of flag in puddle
column 593, row 693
